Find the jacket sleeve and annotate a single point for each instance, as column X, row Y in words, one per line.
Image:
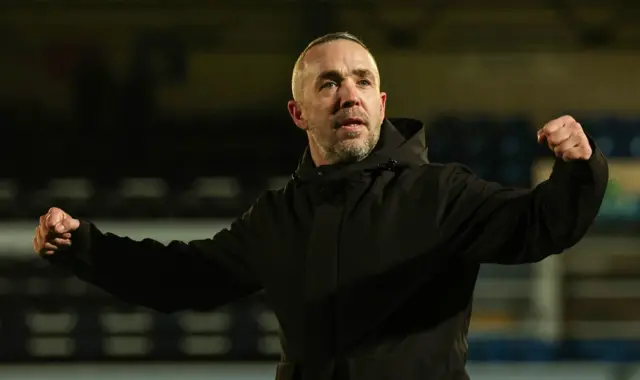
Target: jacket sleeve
column 485, row 222
column 200, row 275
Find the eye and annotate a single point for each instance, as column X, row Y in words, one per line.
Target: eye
column 365, row 82
column 328, row 85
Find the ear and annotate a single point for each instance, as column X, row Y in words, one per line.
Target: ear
column 296, row 114
column 383, row 104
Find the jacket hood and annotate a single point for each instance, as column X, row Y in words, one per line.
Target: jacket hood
column 402, row 143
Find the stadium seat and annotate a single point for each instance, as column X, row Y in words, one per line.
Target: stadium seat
column 141, row 197
column 71, row 194
column 9, row 202
column 211, row 196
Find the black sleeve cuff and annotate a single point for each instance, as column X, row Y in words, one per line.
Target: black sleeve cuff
column 586, row 171
column 79, row 251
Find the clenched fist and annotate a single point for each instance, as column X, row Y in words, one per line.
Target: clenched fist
column 54, row 231
column 566, row 139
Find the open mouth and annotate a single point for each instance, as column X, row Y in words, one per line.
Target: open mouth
column 352, row 124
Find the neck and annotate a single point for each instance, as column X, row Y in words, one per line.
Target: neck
column 318, row 157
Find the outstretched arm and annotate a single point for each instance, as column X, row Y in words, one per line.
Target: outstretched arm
column 485, row 222
column 201, row 274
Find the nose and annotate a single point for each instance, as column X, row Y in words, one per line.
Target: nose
column 349, row 96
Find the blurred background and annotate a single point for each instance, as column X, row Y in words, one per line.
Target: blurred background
column 165, row 119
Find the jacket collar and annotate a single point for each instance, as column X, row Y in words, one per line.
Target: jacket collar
column 402, row 143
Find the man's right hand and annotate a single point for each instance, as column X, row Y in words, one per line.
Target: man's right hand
column 54, row 231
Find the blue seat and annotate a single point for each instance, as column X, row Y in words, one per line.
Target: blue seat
column 443, row 141
column 504, row 349
column 517, row 173
column 604, row 350
column 604, row 132
column 627, row 135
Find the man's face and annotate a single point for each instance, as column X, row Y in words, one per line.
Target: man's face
column 340, row 106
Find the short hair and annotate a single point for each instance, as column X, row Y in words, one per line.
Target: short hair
column 319, row 41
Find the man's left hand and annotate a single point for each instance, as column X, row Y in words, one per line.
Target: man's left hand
column 566, row 139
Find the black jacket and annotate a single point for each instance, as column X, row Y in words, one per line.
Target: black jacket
column 370, row 267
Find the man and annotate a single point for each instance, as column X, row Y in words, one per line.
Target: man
column 369, row 255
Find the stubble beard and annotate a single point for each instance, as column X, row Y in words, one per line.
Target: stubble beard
column 353, row 149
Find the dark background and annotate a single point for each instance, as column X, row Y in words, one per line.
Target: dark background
column 166, row 119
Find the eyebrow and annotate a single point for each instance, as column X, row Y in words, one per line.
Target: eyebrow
column 334, row 74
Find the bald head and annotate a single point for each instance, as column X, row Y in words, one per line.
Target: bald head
column 297, row 77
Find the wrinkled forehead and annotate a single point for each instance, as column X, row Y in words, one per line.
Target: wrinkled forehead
column 341, row 56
